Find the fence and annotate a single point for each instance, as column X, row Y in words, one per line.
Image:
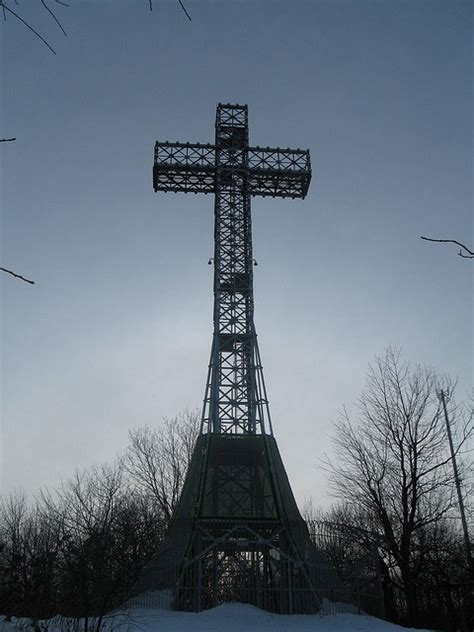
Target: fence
column 249, row 566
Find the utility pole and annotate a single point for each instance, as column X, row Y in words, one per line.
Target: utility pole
column 457, row 481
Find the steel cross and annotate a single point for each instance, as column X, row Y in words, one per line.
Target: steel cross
column 235, row 400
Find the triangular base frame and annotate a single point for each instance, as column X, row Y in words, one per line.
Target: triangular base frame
column 237, row 535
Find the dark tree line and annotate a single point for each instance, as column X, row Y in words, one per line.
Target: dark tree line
column 444, row 590
column 78, row 551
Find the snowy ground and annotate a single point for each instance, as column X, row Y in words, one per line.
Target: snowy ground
column 225, row 618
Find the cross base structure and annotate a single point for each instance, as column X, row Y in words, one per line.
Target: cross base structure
column 237, row 535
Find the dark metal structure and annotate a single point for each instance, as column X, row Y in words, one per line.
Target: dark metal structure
column 235, row 401
column 237, row 534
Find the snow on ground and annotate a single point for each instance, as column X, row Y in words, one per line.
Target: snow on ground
column 233, row 617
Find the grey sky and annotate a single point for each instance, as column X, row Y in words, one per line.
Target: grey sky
column 116, row 332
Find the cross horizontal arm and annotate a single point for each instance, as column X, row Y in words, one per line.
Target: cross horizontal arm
column 279, row 172
column 184, row 167
column 191, row 168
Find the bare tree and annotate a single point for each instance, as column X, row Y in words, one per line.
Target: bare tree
column 13, row 516
column 157, row 459
column 86, row 509
column 76, row 551
column 29, row 549
column 393, row 461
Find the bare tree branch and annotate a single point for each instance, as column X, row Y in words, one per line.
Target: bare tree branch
column 184, row 9
column 7, row 140
column 470, row 254
column 157, row 459
column 6, row 8
column 53, row 15
column 18, row 276
column 181, row 5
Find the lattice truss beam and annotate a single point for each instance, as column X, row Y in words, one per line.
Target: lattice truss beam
column 191, row 168
column 235, row 399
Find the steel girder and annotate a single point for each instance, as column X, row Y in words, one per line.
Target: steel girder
column 191, row 168
column 235, row 401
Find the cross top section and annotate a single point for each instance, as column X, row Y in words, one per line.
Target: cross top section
column 192, row 167
column 235, row 400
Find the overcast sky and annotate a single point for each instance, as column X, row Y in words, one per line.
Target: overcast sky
column 116, row 331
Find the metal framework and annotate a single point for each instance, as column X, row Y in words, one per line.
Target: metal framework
column 235, row 400
column 237, row 532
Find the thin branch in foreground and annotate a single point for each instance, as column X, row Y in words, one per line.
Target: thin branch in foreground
column 470, row 254
column 7, row 140
column 18, row 276
column 184, row 9
column 6, row 8
column 150, row 4
column 53, row 15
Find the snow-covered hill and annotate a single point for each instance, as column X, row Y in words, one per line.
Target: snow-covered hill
column 226, row 618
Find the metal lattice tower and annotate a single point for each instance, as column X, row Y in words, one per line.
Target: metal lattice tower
column 236, row 533
column 235, row 400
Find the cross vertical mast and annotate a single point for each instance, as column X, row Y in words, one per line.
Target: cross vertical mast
column 232, row 397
